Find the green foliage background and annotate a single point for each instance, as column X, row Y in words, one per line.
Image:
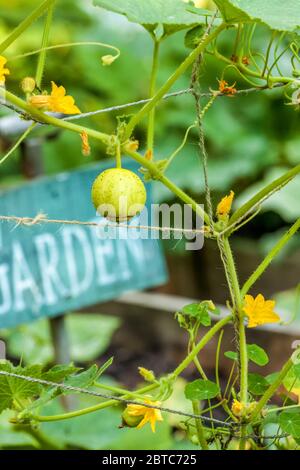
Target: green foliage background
column 250, row 139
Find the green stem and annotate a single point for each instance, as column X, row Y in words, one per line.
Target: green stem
column 269, row 258
column 155, row 172
column 272, row 389
column 237, row 303
column 66, row 44
column 199, row 426
column 264, row 193
column 172, row 79
column 175, row 153
column 151, row 119
column 206, row 338
column 252, row 73
column 281, row 408
column 45, row 39
column 91, row 409
column 218, row 358
column 25, row 24
column 118, row 390
column 243, row 361
column 230, row 266
column 19, row 141
column 268, row 53
column 242, row 335
column 118, row 157
column 41, row 117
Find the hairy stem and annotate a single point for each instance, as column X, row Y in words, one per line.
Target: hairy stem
column 41, row 117
column 272, row 389
column 151, row 119
column 206, row 338
column 199, row 426
column 263, row 194
column 270, row 256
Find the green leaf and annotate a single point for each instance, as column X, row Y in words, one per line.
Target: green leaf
column 172, row 14
column 257, row 355
column 292, row 379
column 257, row 384
column 193, row 36
column 290, row 422
column 200, row 311
column 12, row 388
column 282, row 16
column 231, row 355
column 59, row 372
column 105, row 366
column 201, row 390
column 85, row 378
column 272, row 377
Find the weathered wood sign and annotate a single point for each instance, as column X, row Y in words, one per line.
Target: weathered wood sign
column 47, row 269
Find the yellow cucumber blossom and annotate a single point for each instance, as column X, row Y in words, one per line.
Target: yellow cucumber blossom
column 3, row 70
column 57, row 101
column 150, row 415
column 224, row 206
column 237, row 408
column 60, row 102
column 259, row 311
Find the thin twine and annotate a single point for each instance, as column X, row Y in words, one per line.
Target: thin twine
column 125, row 401
column 196, row 92
column 71, row 388
column 136, row 103
column 42, row 219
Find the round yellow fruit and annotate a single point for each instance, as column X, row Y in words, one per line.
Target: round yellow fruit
column 118, row 194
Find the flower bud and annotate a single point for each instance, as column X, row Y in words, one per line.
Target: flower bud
column 148, row 375
column 108, row 59
column 28, row 84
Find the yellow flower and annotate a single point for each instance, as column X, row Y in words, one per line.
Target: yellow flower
column 39, row 101
column 60, row 102
column 150, row 415
column 237, row 408
column 259, row 311
column 296, row 391
column 3, row 71
column 57, row 101
column 224, row 206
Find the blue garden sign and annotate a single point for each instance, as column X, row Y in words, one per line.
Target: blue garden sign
column 47, row 269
